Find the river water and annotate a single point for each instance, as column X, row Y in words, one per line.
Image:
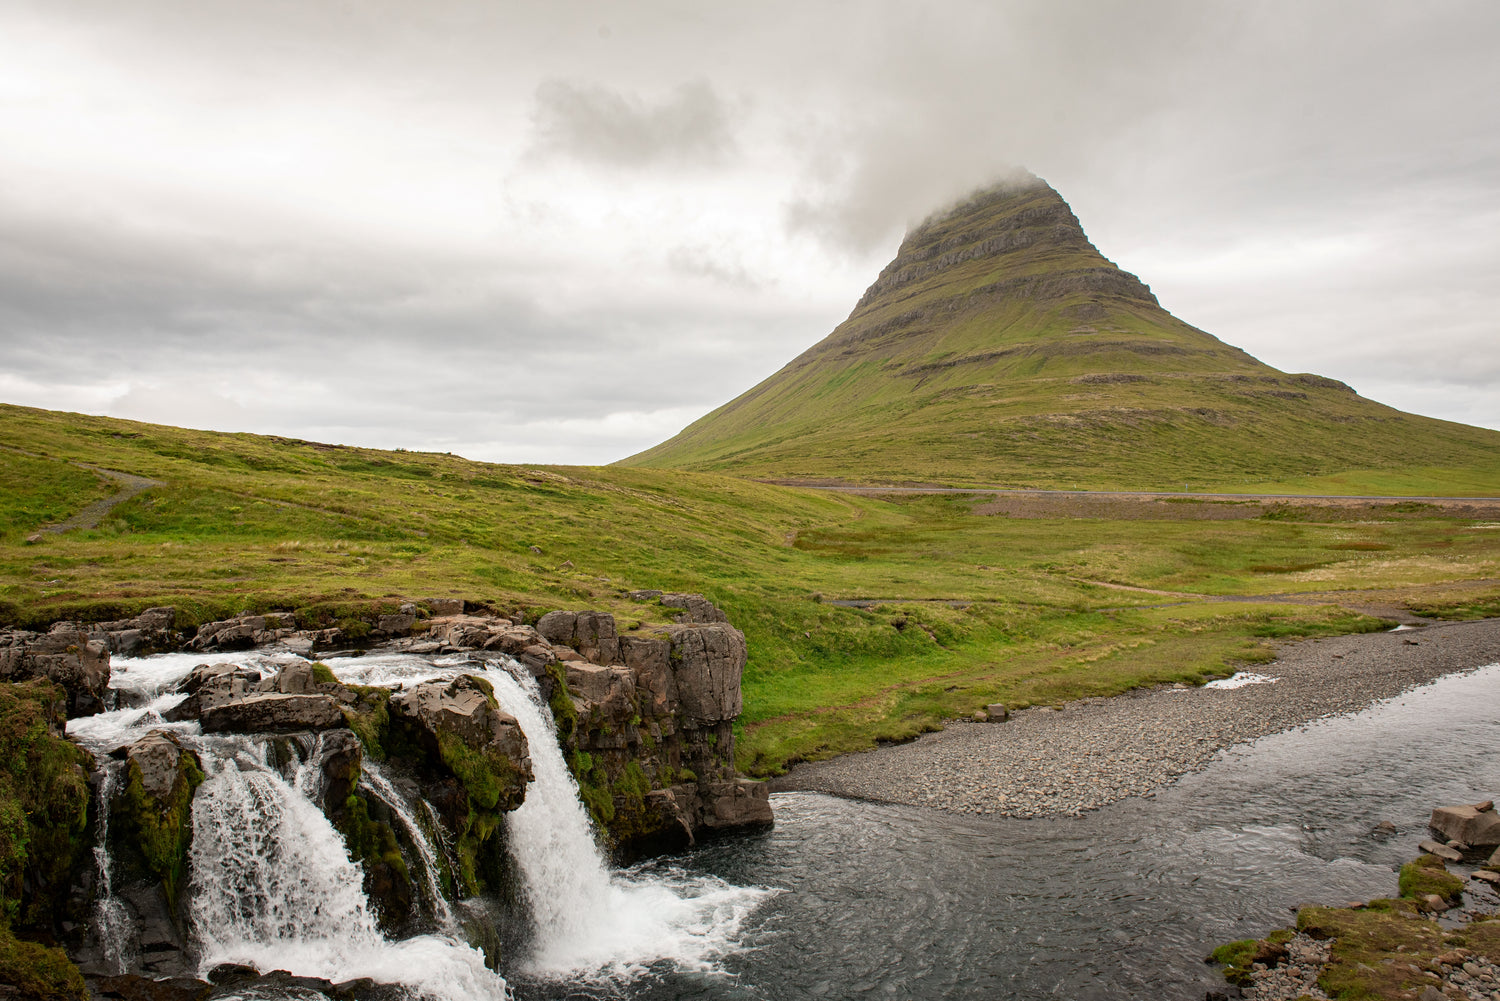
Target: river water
column 844, row 899
column 885, row 901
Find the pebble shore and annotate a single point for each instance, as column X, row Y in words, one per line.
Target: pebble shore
column 1048, row 762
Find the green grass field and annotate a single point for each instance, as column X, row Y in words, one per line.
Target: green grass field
column 968, row 607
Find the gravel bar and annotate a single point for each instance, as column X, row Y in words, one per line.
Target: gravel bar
column 1047, row 762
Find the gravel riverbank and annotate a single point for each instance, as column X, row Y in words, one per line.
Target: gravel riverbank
column 1045, row 762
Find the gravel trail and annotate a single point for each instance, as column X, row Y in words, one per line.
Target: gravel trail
column 1044, row 762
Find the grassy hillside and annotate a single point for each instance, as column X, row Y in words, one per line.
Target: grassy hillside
column 962, row 601
column 1000, row 347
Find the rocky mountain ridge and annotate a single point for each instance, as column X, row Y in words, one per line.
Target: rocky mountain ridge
column 1000, row 347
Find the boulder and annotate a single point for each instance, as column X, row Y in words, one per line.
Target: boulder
column 67, row 656
column 592, row 634
column 1478, row 824
column 210, row 685
column 157, row 756
column 148, row 632
column 996, row 712
column 273, row 712
column 399, row 624
column 707, row 661
column 244, row 631
column 695, row 608
column 434, row 714
column 293, row 679
column 301, row 644
column 650, row 660
column 1441, row 851
column 446, row 606
column 738, row 803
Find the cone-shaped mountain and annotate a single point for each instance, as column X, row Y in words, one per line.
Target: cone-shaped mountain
column 1000, row 347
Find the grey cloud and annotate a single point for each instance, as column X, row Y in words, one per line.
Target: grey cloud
column 598, row 125
column 358, row 347
column 717, row 266
column 1177, row 130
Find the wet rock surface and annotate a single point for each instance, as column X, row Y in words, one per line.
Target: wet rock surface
column 272, row 712
column 1476, row 824
column 67, row 656
column 1045, row 761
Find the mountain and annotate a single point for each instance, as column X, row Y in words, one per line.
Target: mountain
column 1000, row 347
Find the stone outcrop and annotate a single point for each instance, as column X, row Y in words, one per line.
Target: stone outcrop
column 459, row 632
column 1476, row 825
column 591, row 634
column 695, row 608
column 211, row 685
column 150, row 833
column 273, row 712
column 648, row 720
column 645, row 718
column 707, row 661
column 244, row 632
column 460, row 723
column 66, row 656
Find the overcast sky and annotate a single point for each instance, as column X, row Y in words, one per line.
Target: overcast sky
column 559, row 232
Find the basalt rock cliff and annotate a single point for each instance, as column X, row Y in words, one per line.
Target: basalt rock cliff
column 645, row 720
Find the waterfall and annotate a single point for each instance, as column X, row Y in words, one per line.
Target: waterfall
column 113, row 928
column 271, row 884
column 371, row 776
column 273, row 887
column 592, row 924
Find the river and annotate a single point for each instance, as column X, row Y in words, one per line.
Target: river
column 885, row 901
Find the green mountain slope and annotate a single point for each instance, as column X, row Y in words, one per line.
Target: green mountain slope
column 1000, row 347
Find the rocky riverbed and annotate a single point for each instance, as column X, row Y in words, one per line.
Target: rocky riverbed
column 1046, row 761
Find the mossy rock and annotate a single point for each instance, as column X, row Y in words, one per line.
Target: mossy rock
column 1429, row 874
column 45, row 833
column 39, row 972
column 151, row 830
column 1239, row 958
column 370, row 837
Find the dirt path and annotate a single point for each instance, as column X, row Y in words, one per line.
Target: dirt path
column 1147, row 494
column 90, row 517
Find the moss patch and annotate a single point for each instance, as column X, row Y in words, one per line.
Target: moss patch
column 370, row 718
column 1379, row 951
column 153, row 835
column 44, row 806
column 1427, row 875
column 39, row 972
column 372, row 842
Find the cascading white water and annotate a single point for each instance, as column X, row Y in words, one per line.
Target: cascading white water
column 590, row 923
column 371, row 775
column 113, row 928
column 273, row 887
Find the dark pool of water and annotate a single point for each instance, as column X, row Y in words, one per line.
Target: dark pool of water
column 899, row 902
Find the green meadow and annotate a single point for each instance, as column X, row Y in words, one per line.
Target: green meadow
column 868, row 619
